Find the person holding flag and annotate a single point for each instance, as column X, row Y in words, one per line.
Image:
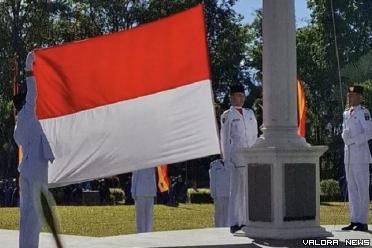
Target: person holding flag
column 33, row 168
column 238, row 130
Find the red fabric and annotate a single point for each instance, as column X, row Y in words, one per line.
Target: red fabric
column 164, row 181
column 148, row 59
column 301, row 109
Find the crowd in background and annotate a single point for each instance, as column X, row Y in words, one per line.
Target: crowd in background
column 73, row 194
column 9, row 193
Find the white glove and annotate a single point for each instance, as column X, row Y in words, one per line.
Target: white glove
column 346, row 136
column 29, row 61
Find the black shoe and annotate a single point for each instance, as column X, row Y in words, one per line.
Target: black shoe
column 349, row 227
column 241, row 227
column 234, row 228
column 361, row 227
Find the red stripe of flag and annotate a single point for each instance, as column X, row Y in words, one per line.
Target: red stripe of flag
column 151, row 58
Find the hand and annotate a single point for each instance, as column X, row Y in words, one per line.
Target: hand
column 346, row 136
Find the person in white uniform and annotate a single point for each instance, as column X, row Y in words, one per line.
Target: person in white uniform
column 33, row 168
column 238, row 130
column 143, row 192
column 356, row 131
column 219, row 186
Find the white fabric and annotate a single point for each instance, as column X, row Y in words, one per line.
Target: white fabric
column 238, row 197
column 30, row 212
column 219, row 177
column 237, row 131
column 143, row 183
column 162, row 128
column 221, row 207
column 144, row 213
column 143, row 190
column 220, row 190
column 29, row 134
column 356, row 133
column 357, row 130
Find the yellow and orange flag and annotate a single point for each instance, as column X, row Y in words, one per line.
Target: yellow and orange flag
column 164, row 182
column 301, row 109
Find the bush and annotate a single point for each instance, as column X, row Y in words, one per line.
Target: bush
column 329, row 190
column 116, row 195
column 199, row 195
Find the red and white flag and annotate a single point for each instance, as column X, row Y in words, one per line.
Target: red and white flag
column 128, row 100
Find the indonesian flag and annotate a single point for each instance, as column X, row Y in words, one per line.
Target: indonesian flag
column 127, row 100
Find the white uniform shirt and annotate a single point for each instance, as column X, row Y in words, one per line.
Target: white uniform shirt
column 144, row 183
column 237, row 131
column 219, row 179
column 357, row 130
column 29, row 134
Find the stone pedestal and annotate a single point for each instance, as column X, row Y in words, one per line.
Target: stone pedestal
column 283, row 192
column 283, row 170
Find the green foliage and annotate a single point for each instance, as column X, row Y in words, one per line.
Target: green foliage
column 359, row 71
column 330, row 190
column 116, row 195
column 199, row 195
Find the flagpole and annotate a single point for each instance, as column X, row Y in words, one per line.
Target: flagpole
column 15, row 91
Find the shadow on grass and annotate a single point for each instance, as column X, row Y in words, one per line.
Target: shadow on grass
column 333, row 204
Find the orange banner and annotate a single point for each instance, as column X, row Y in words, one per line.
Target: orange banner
column 301, row 109
column 164, row 181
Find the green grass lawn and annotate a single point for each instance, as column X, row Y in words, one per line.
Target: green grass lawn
column 117, row 220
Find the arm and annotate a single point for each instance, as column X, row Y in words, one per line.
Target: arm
column 133, row 185
column 211, row 181
column 225, row 136
column 345, row 131
column 30, row 81
column 366, row 124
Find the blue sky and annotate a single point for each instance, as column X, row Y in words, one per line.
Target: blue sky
column 247, row 8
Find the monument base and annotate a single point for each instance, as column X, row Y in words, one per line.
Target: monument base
column 271, row 232
column 283, row 192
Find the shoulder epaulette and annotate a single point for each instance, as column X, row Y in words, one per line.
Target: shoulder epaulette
column 226, row 111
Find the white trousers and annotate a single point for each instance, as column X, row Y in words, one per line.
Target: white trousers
column 357, row 176
column 144, row 213
column 238, row 199
column 221, row 207
column 30, row 212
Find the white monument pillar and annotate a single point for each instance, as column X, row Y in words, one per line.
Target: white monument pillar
column 283, row 170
